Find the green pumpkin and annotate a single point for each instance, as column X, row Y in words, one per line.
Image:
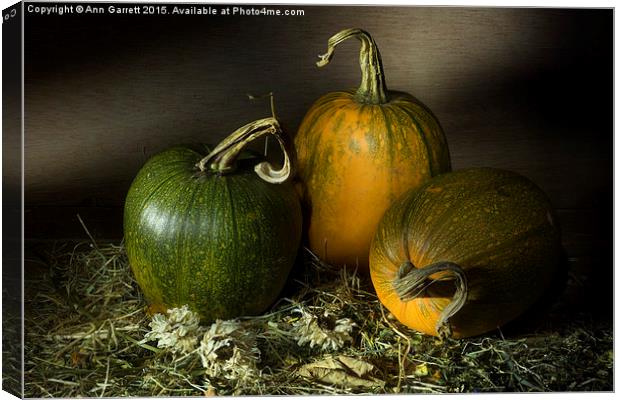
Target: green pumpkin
column 218, row 233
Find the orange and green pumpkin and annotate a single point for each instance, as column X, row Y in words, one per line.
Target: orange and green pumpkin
column 465, row 253
column 358, row 151
column 219, row 233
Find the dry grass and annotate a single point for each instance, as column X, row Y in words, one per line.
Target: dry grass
column 86, row 327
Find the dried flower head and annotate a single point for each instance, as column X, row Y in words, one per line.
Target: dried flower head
column 326, row 330
column 178, row 331
column 228, row 351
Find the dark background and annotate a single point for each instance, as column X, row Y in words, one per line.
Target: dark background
column 12, row 244
column 530, row 90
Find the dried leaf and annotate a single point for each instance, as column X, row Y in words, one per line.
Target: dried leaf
column 342, row 371
column 360, row 367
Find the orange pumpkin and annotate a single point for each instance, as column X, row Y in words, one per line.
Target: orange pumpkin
column 489, row 231
column 358, row 151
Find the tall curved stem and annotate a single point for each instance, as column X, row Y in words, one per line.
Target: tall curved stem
column 372, row 89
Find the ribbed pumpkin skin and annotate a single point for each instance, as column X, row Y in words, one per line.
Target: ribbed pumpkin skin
column 356, row 159
column 496, row 225
column 224, row 245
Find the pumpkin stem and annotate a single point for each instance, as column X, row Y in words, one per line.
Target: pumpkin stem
column 271, row 101
column 372, row 90
column 222, row 159
column 273, row 113
column 411, row 282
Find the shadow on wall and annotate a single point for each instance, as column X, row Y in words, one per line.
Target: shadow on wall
column 526, row 82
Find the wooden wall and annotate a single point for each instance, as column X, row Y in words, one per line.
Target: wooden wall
column 524, row 89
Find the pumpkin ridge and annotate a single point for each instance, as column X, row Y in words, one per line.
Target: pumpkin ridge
column 421, row 134
column 481, row 189
column 442, row 220
column 325, row 103
column 388, row 228
column 149, row 235
column 392, row 150
column 401, row 130
column 319, row 111
column 235, row 234
column 159, row 186
column 207, row 227
column 408, row 126
column 532, row 232
column 439, row 226
column 314, row 154
column 338, row 120
column 183, row 287
column 389, row 135
column 434, row 132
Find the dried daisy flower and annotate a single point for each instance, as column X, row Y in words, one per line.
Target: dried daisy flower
column 228, row 351
column 324, row 331
column 177, row 332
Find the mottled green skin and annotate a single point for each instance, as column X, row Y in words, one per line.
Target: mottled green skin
column 222, row 244
column 497, row 225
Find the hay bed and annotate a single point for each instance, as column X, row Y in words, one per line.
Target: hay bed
column 86, row 325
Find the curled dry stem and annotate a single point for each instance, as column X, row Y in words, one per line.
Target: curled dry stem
column 412, row 282
column 222, row 158
column 372, row 89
